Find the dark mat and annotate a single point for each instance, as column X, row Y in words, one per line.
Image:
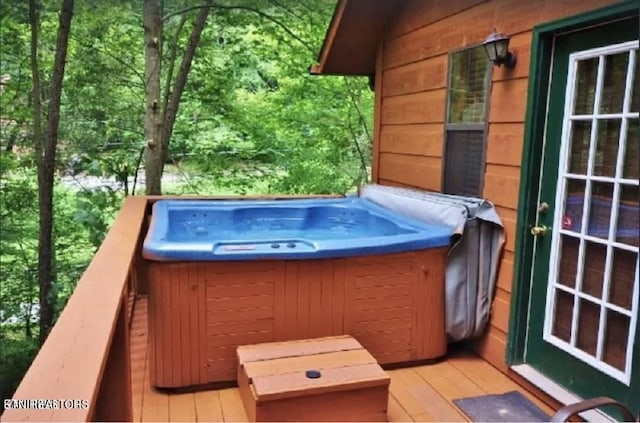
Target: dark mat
column 508, row 407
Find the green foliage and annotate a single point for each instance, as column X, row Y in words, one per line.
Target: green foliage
column 251, row 121
column 82, row 218
column 19, row 247
column 16, row 355
column 252, row 110
column 95, row 210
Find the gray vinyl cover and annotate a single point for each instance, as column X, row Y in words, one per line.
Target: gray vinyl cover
column 473, row 259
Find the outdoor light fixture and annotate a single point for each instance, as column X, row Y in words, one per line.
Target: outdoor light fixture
column 497, row 48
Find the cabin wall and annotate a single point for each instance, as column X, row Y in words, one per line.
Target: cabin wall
column 411, row 80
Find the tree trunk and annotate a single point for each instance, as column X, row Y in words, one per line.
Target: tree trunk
column 154, row 156
column 44, row 281
column 46, row 156
column 169, row 118
column 35, row 89
column 160, row 116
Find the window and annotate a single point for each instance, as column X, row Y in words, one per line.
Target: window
column 465, row 128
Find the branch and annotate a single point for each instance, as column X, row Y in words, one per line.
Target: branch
column 311, row 10
column 135, row 178
column 361, row 120
column 186, row 10
column 272, row 19
column 114, row 57
column 172, row 60
column 171, row 111
column 357, row 107
column 354, row 136
column 248, row 9
column 128, row 83
column 289, row 10
column 188, row 178
column 122, row 128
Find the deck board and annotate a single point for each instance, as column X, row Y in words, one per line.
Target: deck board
column 138, row 348
column 232, row 407
column 401, row 383
column 492, row 382
column 182, row 408
column 450, row 382
column 421, row 393
column 396, row 412
column 440, row 409
column 208, row 407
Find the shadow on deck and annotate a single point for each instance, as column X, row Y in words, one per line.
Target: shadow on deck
column 421, row 393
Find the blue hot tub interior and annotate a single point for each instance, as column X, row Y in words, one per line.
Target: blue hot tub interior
column 288, row 229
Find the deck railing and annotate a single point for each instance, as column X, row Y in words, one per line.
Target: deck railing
column 82, row 372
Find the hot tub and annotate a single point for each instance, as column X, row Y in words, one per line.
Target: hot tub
column 283, row 229
column 229, row 273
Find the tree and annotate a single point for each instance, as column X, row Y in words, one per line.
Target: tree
column 160, row 114
column 45, row 143
column 251, row 119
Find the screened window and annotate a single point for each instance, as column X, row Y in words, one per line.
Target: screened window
column 467, row 95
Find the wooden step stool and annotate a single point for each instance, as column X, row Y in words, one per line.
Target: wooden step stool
column 323, row 379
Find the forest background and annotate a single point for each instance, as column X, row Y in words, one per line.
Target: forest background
column 248, row 119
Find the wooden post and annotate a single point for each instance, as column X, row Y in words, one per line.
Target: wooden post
column 377, row 118
column 114, row 398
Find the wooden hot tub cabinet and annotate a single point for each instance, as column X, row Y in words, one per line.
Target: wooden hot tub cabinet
column 199, row 312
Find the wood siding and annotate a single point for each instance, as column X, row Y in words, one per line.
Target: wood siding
column 411, row 101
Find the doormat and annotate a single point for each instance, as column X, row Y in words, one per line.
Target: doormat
column 508, row 407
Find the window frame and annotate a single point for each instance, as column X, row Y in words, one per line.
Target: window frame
column 482, row 128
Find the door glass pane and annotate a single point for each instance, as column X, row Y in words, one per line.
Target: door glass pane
column 607, row 147
column 615, row 78
column 563, row 315
column 574, row 203
column 616, row 338
column 586, row 86
column 580, row 138
column 622, row 277
column 588, row 325
column 628, row 230
column 631, row 168
column 568, row 261
column 594, row 262
column 600, row 210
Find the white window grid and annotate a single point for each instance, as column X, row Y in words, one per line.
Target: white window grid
column 610, row 243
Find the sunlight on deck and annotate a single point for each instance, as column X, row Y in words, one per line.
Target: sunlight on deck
column 421, row 393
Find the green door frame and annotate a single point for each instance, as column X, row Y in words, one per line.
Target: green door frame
column 541, row 55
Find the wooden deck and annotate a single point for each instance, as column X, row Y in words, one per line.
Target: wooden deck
column 421, row 393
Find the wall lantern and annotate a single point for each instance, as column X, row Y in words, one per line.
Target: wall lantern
column 497, row 48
